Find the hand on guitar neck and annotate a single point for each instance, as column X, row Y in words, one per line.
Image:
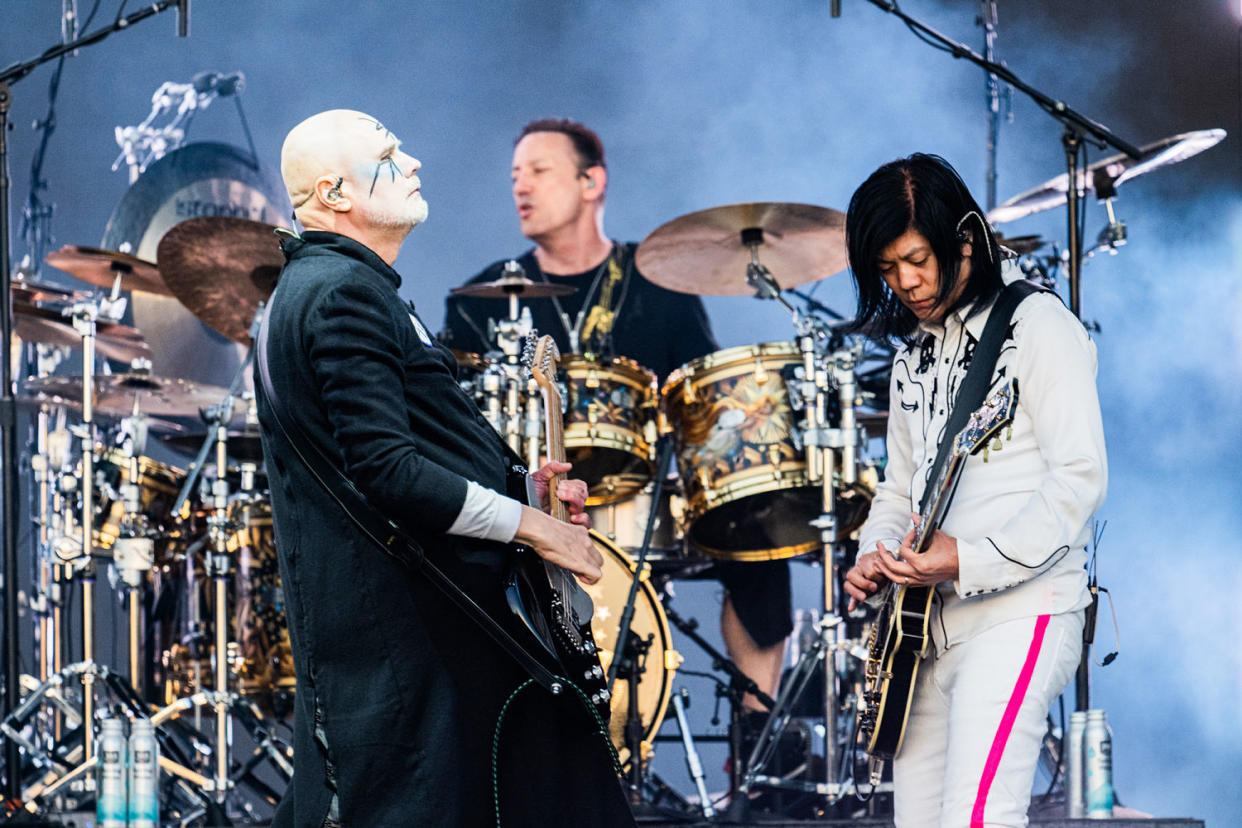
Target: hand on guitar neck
column 937, row 562
column 566, row 544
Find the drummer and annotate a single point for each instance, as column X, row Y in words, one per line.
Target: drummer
column 560, row 183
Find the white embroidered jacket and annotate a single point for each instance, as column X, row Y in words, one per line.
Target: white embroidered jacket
column 1023, row 519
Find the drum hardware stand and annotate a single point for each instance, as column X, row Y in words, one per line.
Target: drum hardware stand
column 504, row 385
column 8, row 403
column 693, row 764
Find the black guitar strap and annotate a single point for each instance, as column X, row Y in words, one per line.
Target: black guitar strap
column 978, row 377
column 381, row 531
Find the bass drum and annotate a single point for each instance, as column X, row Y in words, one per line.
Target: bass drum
column 650, row 622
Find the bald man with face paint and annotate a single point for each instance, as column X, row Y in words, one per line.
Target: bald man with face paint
column 401, row 696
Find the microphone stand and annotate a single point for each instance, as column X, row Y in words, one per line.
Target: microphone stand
column 8, row 400
column 1078, row 128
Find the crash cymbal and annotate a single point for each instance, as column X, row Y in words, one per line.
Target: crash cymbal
column 36, row 323
column 244, row 445
column 522, row 287
column 1116, row 169
column 704, row 252
column 221, row 268
column 115, row 394
column 25, row 290
column 1022, row 245
column 101, row 267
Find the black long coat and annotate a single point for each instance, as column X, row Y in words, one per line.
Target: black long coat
column 399, row 694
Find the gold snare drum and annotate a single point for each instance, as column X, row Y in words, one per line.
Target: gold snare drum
column 610, row 424
column 748, row 494
column 158, row 487
column 656, row 684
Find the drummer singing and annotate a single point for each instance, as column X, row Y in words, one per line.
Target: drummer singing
column 560, row 183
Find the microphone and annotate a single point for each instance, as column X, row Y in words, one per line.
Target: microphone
column 222, row 85
column 834, row 8
column 183, row 18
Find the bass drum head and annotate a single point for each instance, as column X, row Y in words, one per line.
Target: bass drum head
column 200, row 179
column 656, row 684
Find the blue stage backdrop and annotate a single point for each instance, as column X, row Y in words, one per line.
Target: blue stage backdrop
column 707, row 103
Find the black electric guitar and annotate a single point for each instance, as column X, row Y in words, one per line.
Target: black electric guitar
column 899, row 635
column 548, row 598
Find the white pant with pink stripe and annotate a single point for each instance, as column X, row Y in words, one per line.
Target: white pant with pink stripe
column 972, row 741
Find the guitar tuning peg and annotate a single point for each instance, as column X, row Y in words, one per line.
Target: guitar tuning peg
column 985, row 453
column 997, row 445
column 1009, row 432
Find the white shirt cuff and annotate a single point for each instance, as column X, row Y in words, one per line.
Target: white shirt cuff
column 487, row 515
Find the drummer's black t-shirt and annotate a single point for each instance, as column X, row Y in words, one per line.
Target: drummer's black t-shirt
column 656, row 327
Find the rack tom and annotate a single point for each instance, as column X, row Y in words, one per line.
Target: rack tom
column 743, row 468
column 610, row 425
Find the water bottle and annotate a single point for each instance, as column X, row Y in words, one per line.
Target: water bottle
column 1097, row 746
column 144, row 776
column 110, row 793
column 1074, row 790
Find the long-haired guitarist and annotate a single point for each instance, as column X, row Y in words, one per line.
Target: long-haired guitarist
column 1008, row 562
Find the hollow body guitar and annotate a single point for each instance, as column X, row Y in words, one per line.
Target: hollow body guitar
column 900, row 634
column 545, row 597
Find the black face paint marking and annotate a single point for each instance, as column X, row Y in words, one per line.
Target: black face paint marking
column 378, row 126
column 393, row 169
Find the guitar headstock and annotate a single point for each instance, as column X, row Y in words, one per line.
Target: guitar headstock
column 542, row 362
column 996, row 413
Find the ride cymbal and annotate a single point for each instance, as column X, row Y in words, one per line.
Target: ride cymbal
column 1114, row 169
column 36, row 323
column 707, row 252
column 245, row 445
column 102, row 267
column 115, row 394
column 221, row 268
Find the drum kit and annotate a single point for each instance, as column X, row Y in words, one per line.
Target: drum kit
column 769, row 442
column 189, row 550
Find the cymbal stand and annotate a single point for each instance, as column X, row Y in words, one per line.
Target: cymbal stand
column 520, row 422
column 821, row 374
column 133, row 554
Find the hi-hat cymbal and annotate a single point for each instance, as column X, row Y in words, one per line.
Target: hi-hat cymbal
column 245, row 445
column 221, row 268
column 101, row 268
column 704, row 252
column 115, row 394
column 1115, row 169
column 522, row 287
column 35, row 323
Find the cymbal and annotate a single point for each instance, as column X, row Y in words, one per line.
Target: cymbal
column 25, row 290
column 1116, row 168
column 244, row 445
column 101, row 267
column 115, row 394
column 221, row 268
column 36, row 323
column 504, row 288
column 1022, row 244
column 704, row 253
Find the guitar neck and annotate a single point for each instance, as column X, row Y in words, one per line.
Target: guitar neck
column 554, row 435
column 931, row 519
